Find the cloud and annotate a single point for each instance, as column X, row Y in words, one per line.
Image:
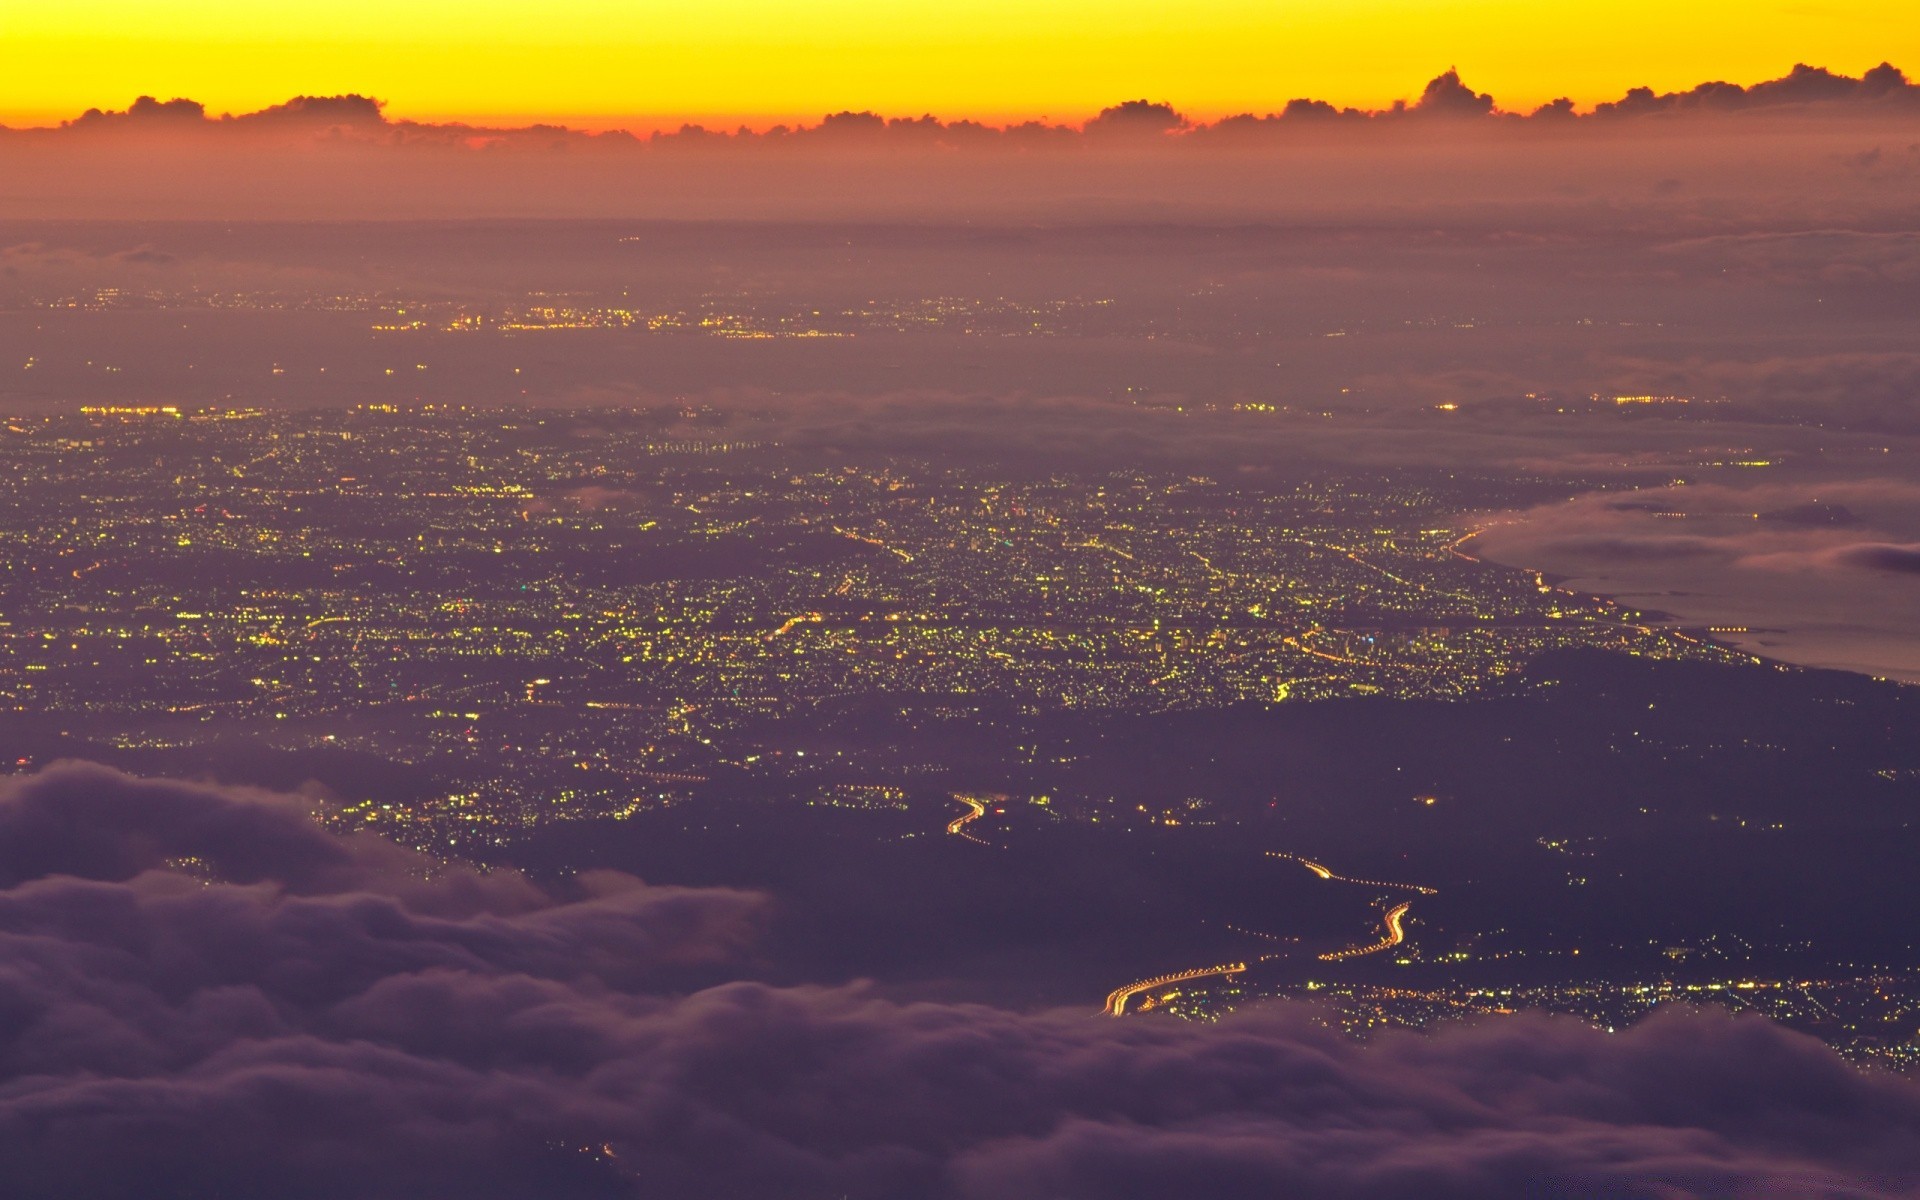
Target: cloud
column 154, row 115
column 87, row 827
column 1808, row 520
column 1820, row 565
column 1899, row 559
column 1884, row 89
column 143, row 256
column 1802, row 87
column 207, row 994
column 1137, row 118
column 1446, row 96
column 1824, row 384
column 144, row 111
column 1833, row 156
column 1616, row 548
column 1826, row 258
column 1859, row 390
column 323, row 110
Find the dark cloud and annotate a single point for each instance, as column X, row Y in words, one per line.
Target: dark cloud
column 149, row 113
column 322, row 110
column 205, row 994
column 144, row 256
column 1803, row 87
column 37, row 256
column 78, row 821
column 1137, row 118
column 1903, row 560
column 1305, row 109
column 86, row 822
column 145, row 111
column 1446, row 96
column 334, row 156
column 852, row 125
column 1813, row 89
column 1814, row 85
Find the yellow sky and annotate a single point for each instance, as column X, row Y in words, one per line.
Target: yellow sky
column 638, row 63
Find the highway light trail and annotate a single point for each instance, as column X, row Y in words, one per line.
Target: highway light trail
column 1117, row 999
column 898, row 553
column 802, row 619
column 1394, row 920
column 1300, row 644
column 1325, row 873
column 975, row 810
column 1455, row 550
column 1396, row 934
column 1394, row 917
column 1272, row 937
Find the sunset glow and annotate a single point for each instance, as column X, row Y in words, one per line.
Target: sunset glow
column 598, row 63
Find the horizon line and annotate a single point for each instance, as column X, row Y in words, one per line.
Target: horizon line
column 1446, row 94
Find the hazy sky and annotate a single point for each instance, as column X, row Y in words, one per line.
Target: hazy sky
column 641, row 62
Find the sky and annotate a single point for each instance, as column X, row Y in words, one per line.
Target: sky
column 609, row 63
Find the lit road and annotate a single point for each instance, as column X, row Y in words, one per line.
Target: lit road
column 1395, row 935
column 1325, row 873
column 1394, row 918
column 1300, row 644
column 1354, row 558
column 1118, row 997
column 802, row 619
column 1097, row 544
column 896, row 551
column 975, row 810
column 1455, row 550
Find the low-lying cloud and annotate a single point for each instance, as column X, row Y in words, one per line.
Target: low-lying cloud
column 1819, row 569
column 1880, row 556
column 206, row 994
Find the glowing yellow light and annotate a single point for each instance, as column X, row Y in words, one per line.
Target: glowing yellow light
column 607, row 62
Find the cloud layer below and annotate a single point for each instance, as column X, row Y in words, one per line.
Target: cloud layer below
column 206, row 994
column 1819, row 570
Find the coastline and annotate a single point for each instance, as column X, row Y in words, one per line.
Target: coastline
column 1773, row 639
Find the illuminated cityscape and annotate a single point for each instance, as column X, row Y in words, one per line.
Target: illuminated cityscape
column 840, row 602
column 540, row 618
column 578, row 613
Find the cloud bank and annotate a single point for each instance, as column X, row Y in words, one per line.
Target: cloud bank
column 1819, row 566
column 1804, row 90
column 206, row 994
column 330, row 156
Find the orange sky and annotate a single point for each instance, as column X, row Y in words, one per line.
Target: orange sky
column 643, row 63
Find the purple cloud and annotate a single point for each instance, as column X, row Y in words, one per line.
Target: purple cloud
column 1881, row 556
column 207, row 994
